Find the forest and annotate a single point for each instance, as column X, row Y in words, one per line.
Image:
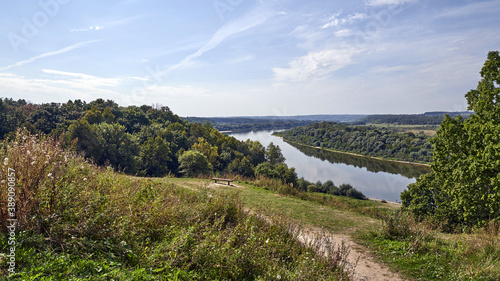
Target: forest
column 365, row 140
column 145, row 141
column 241, row 124
column 427, row 118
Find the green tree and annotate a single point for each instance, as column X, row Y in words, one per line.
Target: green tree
column 465, row 185
column 115, row 147
column 211, row 152
column 154, row 157
column 194, row 163
column 243, row 167
column 84, row 135
column 94, row 116
column 274, row 155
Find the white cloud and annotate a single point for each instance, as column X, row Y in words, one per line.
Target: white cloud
column 344, row 32
column 315, row 65
column 80, row 80
column 90, row 28
column 61, row 51
column 43, row 90
column 335, row 20
column 242, row 58
column 388, row 2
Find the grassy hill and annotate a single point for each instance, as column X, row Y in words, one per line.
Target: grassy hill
column 77, row 221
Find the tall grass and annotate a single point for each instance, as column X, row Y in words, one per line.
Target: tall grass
column 81, row 222
column 363, row 207
column 424, row 253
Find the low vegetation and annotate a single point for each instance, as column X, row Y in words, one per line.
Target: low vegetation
column 421, row 252
column 418, row 250
column 77, row 221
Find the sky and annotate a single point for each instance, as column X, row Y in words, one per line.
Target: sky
column 249, row 57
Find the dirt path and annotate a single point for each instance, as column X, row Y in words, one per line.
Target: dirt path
column 357, row 260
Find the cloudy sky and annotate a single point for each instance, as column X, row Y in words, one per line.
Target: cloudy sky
column 249, row 57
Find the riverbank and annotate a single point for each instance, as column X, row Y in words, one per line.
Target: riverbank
column 354, row 154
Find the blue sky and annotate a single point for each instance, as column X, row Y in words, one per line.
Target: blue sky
column 249, row 57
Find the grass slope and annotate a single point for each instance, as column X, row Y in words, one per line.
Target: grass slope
column 413, row 249
column 80, row 222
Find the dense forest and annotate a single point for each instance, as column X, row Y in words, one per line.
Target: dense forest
column 144, row 141
column 241, row 124
column 259, row 123
column 366, row 140
column 428, row 118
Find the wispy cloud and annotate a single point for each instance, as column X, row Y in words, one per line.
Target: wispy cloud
column 52, row 89
column 473, row 8
column 388, row 2
column 82, row 80
column 90, row 28
column 107, row 23
column 250, row 20
column 49, row 54
column 242, row 58
column 336, row 20
column 315, row 65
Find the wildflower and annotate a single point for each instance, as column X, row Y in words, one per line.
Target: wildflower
column 278, row 277
column 49, row 175
column 267, row 241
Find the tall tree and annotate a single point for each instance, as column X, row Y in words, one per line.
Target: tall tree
column 274, row 155
column 465, row 185
column 194, row 163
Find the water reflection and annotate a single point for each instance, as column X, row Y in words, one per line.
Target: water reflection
column 371, row 164
column 375, row 178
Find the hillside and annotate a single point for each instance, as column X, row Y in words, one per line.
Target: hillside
column 76, row 221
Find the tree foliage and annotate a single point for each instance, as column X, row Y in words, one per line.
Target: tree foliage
column 366, row 140
column 194, row 163
column 464, row 187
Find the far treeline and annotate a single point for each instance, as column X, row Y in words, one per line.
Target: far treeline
column 242, row 124
column 428, row 118
column 365, row 140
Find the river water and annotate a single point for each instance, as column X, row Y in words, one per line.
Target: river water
column 375, row 178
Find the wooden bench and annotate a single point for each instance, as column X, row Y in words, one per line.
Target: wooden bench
column 217, row 179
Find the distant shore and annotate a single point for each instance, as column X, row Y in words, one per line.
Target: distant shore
column 355, row 154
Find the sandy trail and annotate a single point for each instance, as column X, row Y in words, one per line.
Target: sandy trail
column 358, row 261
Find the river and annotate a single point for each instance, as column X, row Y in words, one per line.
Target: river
column 377, row 179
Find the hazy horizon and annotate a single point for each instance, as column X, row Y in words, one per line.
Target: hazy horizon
column 227, row 58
